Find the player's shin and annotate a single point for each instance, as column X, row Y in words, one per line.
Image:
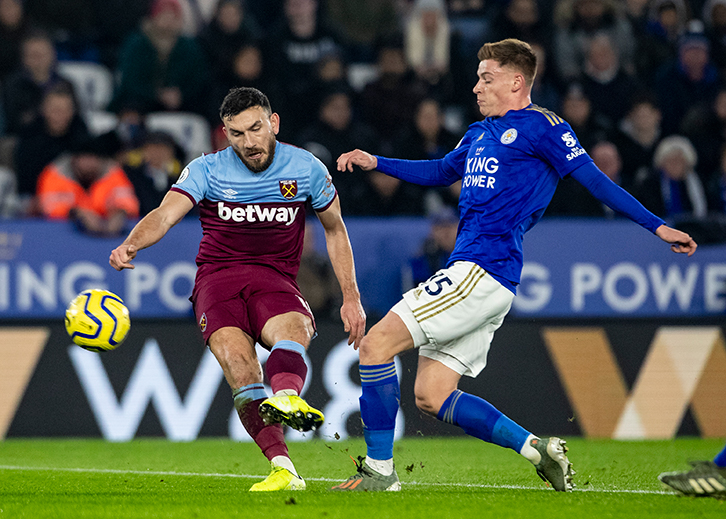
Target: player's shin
column 286, row 368
column 379, row 405
column 269, row 438
column 480, row 419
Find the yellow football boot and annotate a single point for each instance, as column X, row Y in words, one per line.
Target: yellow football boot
column 279, row 479
column 291, row 410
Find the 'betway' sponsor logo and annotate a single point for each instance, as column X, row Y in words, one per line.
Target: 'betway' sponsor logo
column 255, row 213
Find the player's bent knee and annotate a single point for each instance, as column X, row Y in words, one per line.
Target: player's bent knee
column 427, row 403
column 373, row 350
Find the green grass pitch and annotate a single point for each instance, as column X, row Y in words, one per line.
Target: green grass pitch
column 442, row 478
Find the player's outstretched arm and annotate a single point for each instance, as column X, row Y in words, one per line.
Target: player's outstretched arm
column 361, row 158
column 341, row 257
column 150, row 229
column 680, row 242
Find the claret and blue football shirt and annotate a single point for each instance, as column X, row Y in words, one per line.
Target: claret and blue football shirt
column 255, row 218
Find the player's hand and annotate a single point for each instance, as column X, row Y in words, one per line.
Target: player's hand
column 360, row 158
column 680, row 241
column 122, row 255
column 354, row 321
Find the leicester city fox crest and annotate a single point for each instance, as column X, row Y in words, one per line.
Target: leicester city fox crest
column 288, row 188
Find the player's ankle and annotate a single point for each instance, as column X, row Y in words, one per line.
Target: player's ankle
column 530, row 452
column 284, row 462
column 286, row 392
column 383, row 467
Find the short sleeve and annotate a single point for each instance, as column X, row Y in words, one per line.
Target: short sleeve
column 561, row 149
column 322, row 189
column 193, row 180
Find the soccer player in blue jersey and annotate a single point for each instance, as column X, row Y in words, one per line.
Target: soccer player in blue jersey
column 251, row 197
column 705, row 479
column 509, row 165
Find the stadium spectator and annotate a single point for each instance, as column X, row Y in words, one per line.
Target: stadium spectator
column 427, row 138
column 127, row 136
column 522, row 19
column 428, row 46
column 248, row 68
column 160, row 69
column 577, row 22
column 362, row 24
column 294, row 49
column 605, row 80
column 636, row 137
column 158, row 169
column 510, row 165
column 267, row 13
column 657, row 39
column 381, row 195
column 714, row 19
column 72, row 25
column 435, row 250
column 572, row 199
column 577, row 111
column 231, row 28
column 716, row 188
column 245, row 290
column 115, row 21
column 673, row 189
column 333, row 132
column 9, row 200
column 89, row 189
column 546, row 91
column 24, row 89
column 58, row 129
column 705, row 127
column 470, row 21
column 13, row 28
column 389, row 103
column 687, row 81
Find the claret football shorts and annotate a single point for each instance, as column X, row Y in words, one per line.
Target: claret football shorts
column 245, row 297
column 453, row 315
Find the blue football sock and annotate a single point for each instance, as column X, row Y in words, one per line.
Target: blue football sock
column 378, row 408
column 482, row 420
column 720, row 458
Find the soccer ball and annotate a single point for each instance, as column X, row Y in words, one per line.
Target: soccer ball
column 97, row 320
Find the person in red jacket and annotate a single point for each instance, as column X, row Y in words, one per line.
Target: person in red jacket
column 89, row 188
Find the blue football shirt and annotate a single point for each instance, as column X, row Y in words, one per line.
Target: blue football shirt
column 509, row 168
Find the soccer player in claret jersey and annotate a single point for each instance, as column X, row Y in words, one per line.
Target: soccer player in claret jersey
column 509, row 165
column 251, row 197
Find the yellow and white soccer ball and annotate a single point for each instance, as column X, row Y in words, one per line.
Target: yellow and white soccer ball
column 97, row 320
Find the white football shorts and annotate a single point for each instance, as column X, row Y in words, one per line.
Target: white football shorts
column 453, row 315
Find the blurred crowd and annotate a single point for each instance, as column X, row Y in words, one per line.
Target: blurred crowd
column 104, row 101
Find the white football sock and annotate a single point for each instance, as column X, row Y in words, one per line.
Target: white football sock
column 284, row 462
column 286, row 392
column 530, row 452
column 384, row 467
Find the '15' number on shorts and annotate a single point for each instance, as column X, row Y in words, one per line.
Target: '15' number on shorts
column 436, row 285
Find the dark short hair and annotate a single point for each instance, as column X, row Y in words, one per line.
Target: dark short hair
column 513, row 53
column 240, row 99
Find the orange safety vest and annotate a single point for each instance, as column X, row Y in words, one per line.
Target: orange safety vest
column 59, row 192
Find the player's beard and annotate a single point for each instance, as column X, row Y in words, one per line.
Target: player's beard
column 261, row 164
